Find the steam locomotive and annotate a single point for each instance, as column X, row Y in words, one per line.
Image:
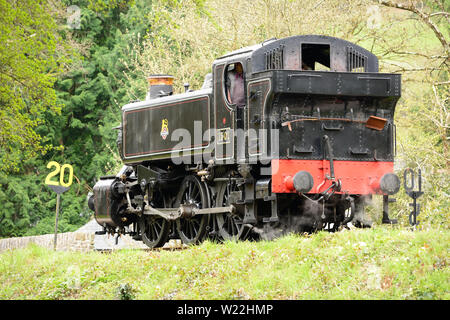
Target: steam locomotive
column 310, row 143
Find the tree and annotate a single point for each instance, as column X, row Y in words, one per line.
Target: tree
column 432, row 14
column 423, row 58
column 76, row 107
column 28, row 69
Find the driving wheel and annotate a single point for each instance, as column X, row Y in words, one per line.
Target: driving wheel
column 192, row 230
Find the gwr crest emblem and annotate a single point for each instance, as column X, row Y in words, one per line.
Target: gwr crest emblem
column 164, row 129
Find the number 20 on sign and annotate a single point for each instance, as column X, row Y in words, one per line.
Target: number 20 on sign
column 59, row 186
column 61, row 170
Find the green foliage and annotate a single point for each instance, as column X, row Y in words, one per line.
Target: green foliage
column 125, row 292
column 29, row 206
column 105, row 6
column 90, row 94
column 28, row 69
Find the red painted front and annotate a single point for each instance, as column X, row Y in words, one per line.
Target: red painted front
column 357, row 177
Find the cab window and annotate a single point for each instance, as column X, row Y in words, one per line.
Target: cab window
column 234, row 84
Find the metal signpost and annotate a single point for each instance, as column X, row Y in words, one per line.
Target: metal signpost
column 414, row 195
column 59, row 187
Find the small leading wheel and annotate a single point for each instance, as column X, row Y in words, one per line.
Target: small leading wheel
column 230, row 225
column 154, row 229
column 192, row 192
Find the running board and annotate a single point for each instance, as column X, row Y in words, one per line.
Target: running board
column 185, row 211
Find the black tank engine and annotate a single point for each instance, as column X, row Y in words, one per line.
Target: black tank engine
column 290, row 135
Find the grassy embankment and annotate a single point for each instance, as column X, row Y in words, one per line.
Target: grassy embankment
column 380, row 263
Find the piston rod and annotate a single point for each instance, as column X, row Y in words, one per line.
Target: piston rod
column 185, row 211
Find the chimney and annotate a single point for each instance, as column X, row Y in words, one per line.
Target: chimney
column 160, row 85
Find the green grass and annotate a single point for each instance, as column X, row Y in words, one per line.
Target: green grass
column 378, row 263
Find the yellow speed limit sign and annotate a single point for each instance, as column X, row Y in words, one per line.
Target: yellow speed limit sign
column 60, row 178
column 60, row 185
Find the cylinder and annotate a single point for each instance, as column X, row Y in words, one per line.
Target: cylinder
column 106, row 201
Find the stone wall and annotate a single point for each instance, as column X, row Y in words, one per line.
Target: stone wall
column 84, row 239
column 69, row 241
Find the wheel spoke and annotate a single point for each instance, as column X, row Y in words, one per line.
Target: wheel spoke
column 153, row 232
column 155, row 228
column 191, row 229
column 197, row 193
column 194, row 223
column 188, row 194
column 158, row 224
